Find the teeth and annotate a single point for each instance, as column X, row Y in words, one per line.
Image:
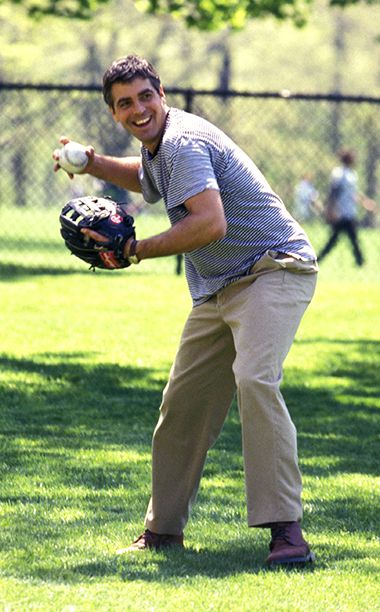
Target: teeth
column 142, row 121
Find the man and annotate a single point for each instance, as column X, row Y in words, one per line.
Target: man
column 342, row 204
column 251, row 273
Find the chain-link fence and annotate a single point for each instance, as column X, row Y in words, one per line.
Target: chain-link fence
column 286, row 135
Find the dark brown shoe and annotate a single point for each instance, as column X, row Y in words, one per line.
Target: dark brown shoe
column 153, row 541
column 288, row 546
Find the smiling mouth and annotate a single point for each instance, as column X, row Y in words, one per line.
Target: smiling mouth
column 142, row 122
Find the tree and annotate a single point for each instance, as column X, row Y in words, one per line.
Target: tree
column 200, row 14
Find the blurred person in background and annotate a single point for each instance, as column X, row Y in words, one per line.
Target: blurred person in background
column 342, row 205
column 307, row 205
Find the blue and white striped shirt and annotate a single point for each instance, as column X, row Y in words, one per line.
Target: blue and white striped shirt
column 194, row 155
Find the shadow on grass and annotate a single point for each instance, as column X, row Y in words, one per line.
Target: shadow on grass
column 81, row 405
column 229, row 560
column 65, row 426
column 171, row 566
column 340, row 421
column 235, row 559
column 18, row 271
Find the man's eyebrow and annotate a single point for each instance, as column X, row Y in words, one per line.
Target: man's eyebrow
column 128, row 98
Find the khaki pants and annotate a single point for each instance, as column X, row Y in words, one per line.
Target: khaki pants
column 235, row 342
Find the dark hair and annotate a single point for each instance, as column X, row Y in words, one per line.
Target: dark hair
column 126, row 69
column 347, row 156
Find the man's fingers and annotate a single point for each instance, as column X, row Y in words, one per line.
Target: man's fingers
column 57, row 167
column 94, row 235
column 90, row 152
column 55, row 156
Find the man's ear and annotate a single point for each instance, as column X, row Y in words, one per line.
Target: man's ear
column 113, row 113
column 162, row 94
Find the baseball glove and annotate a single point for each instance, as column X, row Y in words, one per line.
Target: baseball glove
column 102, row 215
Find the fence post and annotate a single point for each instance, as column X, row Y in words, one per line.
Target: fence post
column 189, row 97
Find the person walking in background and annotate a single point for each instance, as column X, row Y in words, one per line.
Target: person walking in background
column 307, row 205
column 342, row 205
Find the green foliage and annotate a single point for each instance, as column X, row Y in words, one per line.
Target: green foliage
column 199, row 14
column 73, row 9
column 298, row 59
column 215, row 14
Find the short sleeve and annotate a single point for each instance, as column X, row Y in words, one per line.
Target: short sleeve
column 191, row 171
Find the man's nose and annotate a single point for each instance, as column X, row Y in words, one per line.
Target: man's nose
column 139, row 107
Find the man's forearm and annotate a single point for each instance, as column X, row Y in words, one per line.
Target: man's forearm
column 187, row 235
column 121, row 171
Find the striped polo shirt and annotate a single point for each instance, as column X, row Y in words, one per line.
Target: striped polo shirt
column 194, row 155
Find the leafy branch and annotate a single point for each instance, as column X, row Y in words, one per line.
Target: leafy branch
column 199, row 14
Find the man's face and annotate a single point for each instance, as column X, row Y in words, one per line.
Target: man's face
column 141, row 110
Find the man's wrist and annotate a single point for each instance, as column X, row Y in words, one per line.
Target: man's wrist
column 132, row 256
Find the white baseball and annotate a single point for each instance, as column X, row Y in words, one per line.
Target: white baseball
column 73, row 158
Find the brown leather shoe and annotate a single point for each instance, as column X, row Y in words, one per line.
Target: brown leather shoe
column 288, row 546
column 155, row 541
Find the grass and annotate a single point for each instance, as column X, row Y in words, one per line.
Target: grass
column 83, row 362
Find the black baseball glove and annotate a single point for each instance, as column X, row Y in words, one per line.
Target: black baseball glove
column 102, row 215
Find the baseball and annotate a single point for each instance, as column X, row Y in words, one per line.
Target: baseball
column 73, row 158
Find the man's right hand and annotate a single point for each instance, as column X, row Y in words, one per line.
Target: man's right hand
column 90, row 152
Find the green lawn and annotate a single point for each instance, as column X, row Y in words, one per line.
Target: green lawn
column 84, row 358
